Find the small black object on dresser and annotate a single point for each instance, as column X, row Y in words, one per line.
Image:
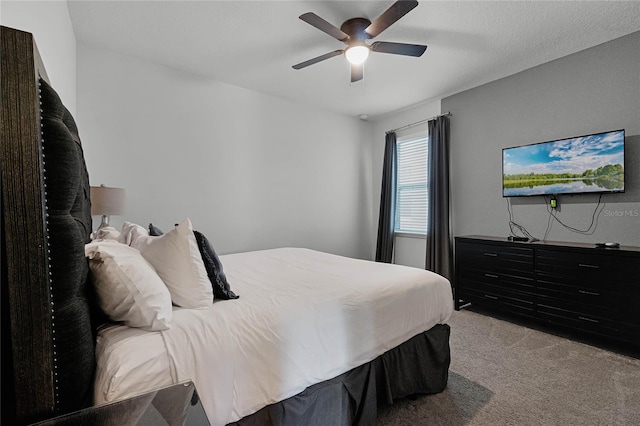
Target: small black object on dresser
column 573, row 285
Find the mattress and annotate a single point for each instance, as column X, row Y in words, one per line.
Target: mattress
column 303, row 317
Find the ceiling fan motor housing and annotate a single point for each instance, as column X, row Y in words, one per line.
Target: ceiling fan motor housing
column 355, row 28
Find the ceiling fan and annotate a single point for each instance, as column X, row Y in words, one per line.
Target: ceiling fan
column 354, row 32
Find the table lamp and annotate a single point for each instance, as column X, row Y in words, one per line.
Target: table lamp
column 107, row 201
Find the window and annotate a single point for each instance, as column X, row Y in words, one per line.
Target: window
column 411, row 184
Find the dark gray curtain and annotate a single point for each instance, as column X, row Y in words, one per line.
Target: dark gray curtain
column 439, row 247
column 387, row 218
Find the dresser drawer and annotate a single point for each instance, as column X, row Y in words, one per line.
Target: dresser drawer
column 623, row 300
column 498, row 277
column 583, row 296
column 599, row 306
column 595, row 322
column 495, row 258
column 629, row 333
column 593, row 270
column 500, row 299
column 586, row 286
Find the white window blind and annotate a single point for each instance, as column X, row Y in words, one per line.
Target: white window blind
column 411, row 185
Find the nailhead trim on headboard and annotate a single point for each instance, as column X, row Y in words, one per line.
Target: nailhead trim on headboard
column 51, row 293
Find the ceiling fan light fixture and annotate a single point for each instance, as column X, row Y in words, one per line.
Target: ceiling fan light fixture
column 355, row 32
column 357, row 54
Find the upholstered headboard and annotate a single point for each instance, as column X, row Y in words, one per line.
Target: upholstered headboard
column 46, row 220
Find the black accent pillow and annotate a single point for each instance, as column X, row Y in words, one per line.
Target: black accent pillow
column 154, row 231
column 221, row 288
column 212, row 264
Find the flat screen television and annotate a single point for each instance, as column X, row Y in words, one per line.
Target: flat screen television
column 582, row 164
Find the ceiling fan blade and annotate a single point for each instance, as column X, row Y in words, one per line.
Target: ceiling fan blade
column 313, row 19
column 398, row 48
column 391, row 15
column 357, row 72
column 317, row 59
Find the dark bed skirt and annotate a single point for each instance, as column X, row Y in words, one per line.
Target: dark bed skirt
column 418, row 366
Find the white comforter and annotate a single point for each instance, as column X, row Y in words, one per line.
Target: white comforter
column 302, row 317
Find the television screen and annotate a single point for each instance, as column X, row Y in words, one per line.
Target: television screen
column 592, row 163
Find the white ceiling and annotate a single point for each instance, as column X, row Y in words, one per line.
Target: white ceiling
column 253, row 44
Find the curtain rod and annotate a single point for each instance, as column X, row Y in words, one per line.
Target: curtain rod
column 446, row 114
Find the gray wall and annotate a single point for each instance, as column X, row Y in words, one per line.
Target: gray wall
column 591, row 91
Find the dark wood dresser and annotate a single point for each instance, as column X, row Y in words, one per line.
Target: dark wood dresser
column 573, row 285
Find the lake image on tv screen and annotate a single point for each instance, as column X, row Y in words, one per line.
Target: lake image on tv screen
column 592, row 163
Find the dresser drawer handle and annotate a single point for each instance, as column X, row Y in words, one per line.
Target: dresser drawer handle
column 491, row 275
column 586, row 265
column 488, row 296
column 590, row 293
column 491, row 254
column 589, row 319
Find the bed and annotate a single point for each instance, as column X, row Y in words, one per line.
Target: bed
column 314, row 338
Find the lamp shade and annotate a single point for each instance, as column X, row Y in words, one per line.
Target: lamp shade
column 107, row 201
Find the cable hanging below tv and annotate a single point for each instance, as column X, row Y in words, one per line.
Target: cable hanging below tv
column 582, row 164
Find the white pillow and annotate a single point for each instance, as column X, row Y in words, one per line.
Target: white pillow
column 106, row 233
column 176, row 258
column 126, row 234
column 127, row 286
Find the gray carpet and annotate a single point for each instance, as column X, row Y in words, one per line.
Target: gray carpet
column 506, row 374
